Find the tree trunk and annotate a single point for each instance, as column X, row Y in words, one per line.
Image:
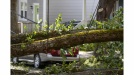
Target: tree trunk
column 107, row 8
column 67, row 41
column 14, row 20
column 19, row 38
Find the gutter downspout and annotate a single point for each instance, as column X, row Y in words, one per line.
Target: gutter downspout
column 84, row 18
column 44, row 12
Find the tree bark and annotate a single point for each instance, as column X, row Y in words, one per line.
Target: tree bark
column 14, row 19
column 67, row 41
column 107, row 6
column 19, row 38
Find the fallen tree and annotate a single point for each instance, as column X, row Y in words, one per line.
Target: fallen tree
column 67, row 41
column 19, row 38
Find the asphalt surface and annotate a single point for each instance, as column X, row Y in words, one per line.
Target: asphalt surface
column 85, row 54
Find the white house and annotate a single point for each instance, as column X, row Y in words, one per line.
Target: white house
column 70, row 9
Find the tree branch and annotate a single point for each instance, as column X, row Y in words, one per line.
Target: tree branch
column 67, row 41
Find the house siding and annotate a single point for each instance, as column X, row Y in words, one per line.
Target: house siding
column 70, row 9
column 30, row 11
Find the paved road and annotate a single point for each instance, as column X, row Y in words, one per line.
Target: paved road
column 85, row 54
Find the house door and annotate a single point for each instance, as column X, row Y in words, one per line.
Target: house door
column 36, row 12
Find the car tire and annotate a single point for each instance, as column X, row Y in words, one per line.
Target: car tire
column 15, row 60
column 37, row 61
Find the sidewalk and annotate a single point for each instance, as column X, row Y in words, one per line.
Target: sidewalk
column 85, row 54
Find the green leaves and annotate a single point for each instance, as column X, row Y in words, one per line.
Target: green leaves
column 34, row 32
column 22, row 46
column 73, row 20
column 112, row 59
column 114, row 23
column 37, row 25
column 51, row 27
column 90, row 16
column 58, row 24
column 98, row 22
column 70, row 27
column 64, row 28
column 81, row 27
column 99, row 51
column 30, row 36
column 110, row 54
column 71, row 65
column 25, row 28
column 60, row 14
column 70, row 51
column 46, row 26
column 62, row 53
column 40, row 20
column 88, row 47
column 29, row 39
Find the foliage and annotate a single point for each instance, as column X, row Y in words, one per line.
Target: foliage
column 73, row 20
column 92, row 24
column 114, row 56
column 60, row 26
column 53, row 69
column 22, row 46
column 64, row 68
column 51, row 27
column 70, row 50
column 111, row 59
column 25, row 28
column 37, row 26
column 45, row 27
column 21, row 66
column 110, row 55
column 89, row 63
column 71, row 26
column 115, row 22
column 30, row 35
column 81, row 27
column 62, row 53
column 29, row 38
column 87, row 47
column 58, row 23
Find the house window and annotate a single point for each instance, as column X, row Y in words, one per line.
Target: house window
column 23, row 9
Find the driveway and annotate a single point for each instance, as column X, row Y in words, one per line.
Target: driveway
column 85, row 54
